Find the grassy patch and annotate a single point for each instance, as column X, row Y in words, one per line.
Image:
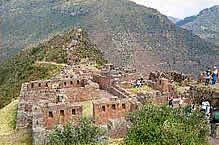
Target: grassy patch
column 8, row 118
column 143, row 89
column 19, row 137
column 8, row 134
column 87, row 109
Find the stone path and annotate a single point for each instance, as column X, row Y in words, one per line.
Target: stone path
column 53, row 63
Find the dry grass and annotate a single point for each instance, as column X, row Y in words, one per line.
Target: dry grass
column 5, row 117
column 87, row 109
column 143, row 89
column 9, row 136
column 119, row 141
column 19, row 137
column 182, row 89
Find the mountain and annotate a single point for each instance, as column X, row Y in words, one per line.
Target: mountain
column 122, row 32
column 44, row 61
column 173, row 19
column 205, row 24
column 186, row 20
column 128, row 34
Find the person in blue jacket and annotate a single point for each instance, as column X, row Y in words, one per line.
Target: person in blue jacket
column 214, row 75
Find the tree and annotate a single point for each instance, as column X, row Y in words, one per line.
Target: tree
column 165, row 125
column 86, row 132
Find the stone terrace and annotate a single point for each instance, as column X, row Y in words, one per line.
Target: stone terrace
column 47, row 103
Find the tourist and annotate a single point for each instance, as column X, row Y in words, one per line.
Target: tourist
column 206, row 107
column 207, row 77
column 214, row 75
column 141, row 79
column 181, row 102
column 137, row 84
column 214, row 120
column 170, row 101
column 201, row 77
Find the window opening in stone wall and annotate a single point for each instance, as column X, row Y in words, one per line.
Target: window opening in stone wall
column 50, row 114
column 73, row 112
column 47, row 85
column 26, row 108
column 114, row 106
column 71, row 82
column 39, row 84
column 37, row 123
column 32, row 85
column 78, row 82
column 103, row 108
column 57, row 100
column 123, row 106
column 62, row 113
column 64, row 83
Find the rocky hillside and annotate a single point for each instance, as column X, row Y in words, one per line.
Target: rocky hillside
column 205, row 24
column 127, row 34
column 29, row 64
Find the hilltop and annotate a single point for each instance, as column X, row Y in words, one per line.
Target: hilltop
column 205, row 24
column 30, row 64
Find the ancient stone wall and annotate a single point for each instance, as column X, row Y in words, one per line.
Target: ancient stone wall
column 199, row 93
column 174, row 76
column 164, row 86
column 48, row 115
column 111, row 109
column 57, row 91
column 104, row 81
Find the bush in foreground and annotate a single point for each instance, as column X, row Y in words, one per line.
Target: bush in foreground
column 164, row 125
column 86, row 132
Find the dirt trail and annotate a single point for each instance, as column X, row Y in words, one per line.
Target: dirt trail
column 53, row 63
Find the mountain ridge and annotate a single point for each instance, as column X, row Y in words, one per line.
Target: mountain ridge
column 205, row 24
column 173, row 19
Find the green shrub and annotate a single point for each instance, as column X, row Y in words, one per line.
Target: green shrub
column 86, row 132
column 13, row 117
column 164, row 125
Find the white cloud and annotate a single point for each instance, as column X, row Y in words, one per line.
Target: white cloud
column 178, row 8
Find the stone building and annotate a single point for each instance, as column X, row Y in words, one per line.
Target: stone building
column 45, row 104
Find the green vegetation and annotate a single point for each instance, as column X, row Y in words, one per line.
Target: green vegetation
column 13, row 117
column 21, row 69
column 86, row 132
column 8, row 134
column 8, row 118
column 24, row 67
column 164, row 125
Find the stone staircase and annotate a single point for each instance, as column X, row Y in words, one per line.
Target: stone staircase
column 117, row 91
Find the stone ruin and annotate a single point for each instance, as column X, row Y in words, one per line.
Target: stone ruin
column 47, row 103
column 172, row 76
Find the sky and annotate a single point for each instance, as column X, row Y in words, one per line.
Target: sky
column 178, row 8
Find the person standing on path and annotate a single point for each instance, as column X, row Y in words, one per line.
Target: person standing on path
column 170, row 101
column 214, row 75
column 214, row 120
column 207, row 77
